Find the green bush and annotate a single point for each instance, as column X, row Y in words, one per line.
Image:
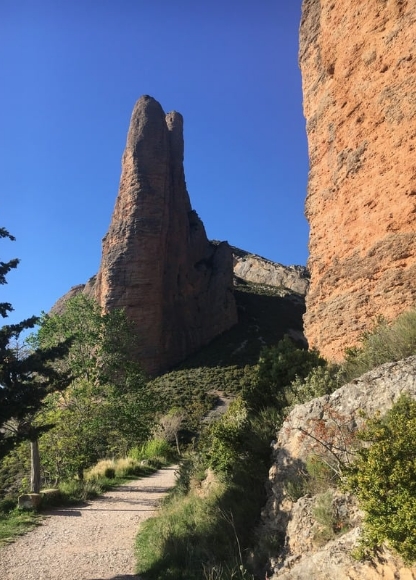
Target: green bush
column 278, row 367
column 314, row 478
column 196, row 536
column 156, row 449
column 383, row 478
column 7, row 505
column 384, row 343
column 322, row 380
column 206, row 528
column 320, row 476
column 222, row 441
column 323, row 514
column 74, row 491
column 110, row 473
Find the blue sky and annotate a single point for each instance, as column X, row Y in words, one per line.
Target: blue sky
column 71, row 72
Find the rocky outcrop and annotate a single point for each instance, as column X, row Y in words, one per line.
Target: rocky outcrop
column 358, row 62
column 59, row 306
column 285, row 516
column 157, row 263
column 254, row 268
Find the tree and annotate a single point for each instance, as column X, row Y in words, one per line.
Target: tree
column 108, row 407
column 24, row 380
column 5, row 268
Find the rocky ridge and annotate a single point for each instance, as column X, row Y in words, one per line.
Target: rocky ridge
column 284, row 516
column 254, row 268
column 358, row 66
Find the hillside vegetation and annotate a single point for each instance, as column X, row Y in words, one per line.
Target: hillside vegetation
column 228, row 364
column 110, row 409
column 210, row 527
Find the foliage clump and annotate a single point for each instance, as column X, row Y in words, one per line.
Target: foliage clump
column 321, row 380
column 278, row 367
column 386, row 342
column 383, row 478
column 222, row 442
column 107, row 408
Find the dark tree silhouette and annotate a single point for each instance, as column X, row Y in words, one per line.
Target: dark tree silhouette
column 24, row 380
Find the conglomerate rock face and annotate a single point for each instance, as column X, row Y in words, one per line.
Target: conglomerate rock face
column 358, row 62
column 157, row 262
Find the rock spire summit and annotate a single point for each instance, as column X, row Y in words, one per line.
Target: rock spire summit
column 157, row 262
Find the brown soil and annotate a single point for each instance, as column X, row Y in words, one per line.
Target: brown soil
column 92, row 542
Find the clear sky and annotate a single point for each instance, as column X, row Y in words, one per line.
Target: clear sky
column 71, row 71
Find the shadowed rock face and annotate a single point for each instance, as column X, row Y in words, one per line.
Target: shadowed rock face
column 358, row 62
column 157, row 263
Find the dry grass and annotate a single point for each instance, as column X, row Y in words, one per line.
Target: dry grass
column 111, row 468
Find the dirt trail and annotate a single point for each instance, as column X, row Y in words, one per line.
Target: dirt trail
column 93, row 542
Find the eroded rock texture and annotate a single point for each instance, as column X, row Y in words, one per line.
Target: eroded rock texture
column 157, row 263
column 254, row 268
column 358, row 62
column 337, row 416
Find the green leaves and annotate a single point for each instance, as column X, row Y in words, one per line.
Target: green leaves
column 384, row 343
column 384, row 479
column 278, row 367
column 223, row 440
column 26, row 376
column 108, row 408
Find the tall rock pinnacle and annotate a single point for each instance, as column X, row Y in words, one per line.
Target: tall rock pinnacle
column 358, row 62
column 157, row 262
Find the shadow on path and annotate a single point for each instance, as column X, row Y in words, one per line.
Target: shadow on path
column 122, row 577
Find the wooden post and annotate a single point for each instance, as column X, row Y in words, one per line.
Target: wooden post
column 35, row 467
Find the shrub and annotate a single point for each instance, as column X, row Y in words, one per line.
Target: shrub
column 314, row 478
column 222, row 440
column 323, row 514
column 384, row 343
column 320, row 475
column 194, row 537
column 127, row 466
column 331, row 515
column 78, row 491
column 110, row 473
column 384, row 479
column 7, row 505
column 108, row 469
column 98, row 471
column 278, row 367
column 322, row 380
column 154, row 449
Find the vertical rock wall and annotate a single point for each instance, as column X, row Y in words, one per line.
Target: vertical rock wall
column 157, row 263
column 358, row 63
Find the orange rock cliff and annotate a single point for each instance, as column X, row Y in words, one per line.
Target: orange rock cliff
column 358, row 64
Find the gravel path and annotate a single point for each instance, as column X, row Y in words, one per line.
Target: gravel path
column 93, row 542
